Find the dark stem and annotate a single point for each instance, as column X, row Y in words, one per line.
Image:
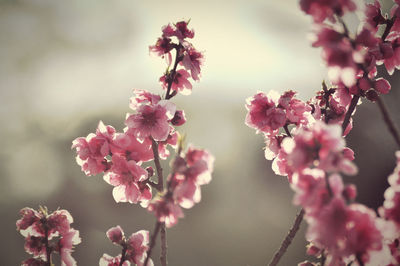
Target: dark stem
column 123, row 257
column 152, row 242
column 359, row 260
column 173, row 73
column 160, row 184
column 46, row 242
column 163, row 256
column 288, row 239
column 389, row 122
column 287, row 130
column 350, row 111
column 389, row 24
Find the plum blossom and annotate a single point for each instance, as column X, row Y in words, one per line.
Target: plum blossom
column 180, row 82
column 45, row 233
column 166, row 211
column 92, row 150
column 323, row 9
column 128, row 179
column 192, row 61
column 321, row 147
column 151, row 120
column 263, row 113
column 134, row 248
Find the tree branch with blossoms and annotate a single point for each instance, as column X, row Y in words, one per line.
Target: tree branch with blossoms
column 121, row 156
column 312, row 154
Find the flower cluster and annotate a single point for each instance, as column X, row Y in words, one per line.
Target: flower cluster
column 148, row 133
column 133, row 249
column 175, row 37
column 352, row 60
column 46, row 233
column 188, row 174
column 305, row 140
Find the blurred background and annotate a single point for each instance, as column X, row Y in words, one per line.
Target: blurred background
column 65, row 65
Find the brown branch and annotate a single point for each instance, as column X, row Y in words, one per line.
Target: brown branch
column 288, row 239
column 350, row 111
column 160, row 184
column 173, row 73
column 389, row 122
column 152, row 242
column 163, row 256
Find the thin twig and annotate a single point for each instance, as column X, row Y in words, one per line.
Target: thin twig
column 173, row 73
column 152, row 241
column 287, row 130
column 163, row 256
column 389, row 122
column 160, row 184
column 350, row 111
column 288, row 239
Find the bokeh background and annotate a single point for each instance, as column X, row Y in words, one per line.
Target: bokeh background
column 65, row 65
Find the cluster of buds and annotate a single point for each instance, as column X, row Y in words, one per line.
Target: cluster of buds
column 46, row 233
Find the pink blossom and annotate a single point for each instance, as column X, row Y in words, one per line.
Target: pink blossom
column 166, row 211
column 382, row 85
column 310, row 190
column 143, row 97
column 180, row 82
column 172, row 140
column 322, row 9
column 92, row 150
column 179, row 118
column 363, row 235
column 192, row 61
column 179, row 30
column 391, row 206
column 128, row 145
column 162, row 47
column 296, row 111
column 138, row 244
column 116, row 235
column 107, row 260
column 33, row 262
column 321, row 147
column 66, row 244
column 127, row 178
column 263, row 115
column 59, row 222
column 36, row 246
column 29, row 217
column 151, row 120
column 373, row 15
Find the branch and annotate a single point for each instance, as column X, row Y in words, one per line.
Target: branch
column 160, row 184
column 163, row 256
column 288, row 239
column 389, row 123
column 152, row 242
column 173, row 73
column 350, row 111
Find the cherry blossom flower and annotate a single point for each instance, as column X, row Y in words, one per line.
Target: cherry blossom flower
column 151, row 120
column 322, row 9
column 166, row 211
column 128, row 145
column 263, row 115
column 321, row 147
column 46, row 233
column 180, row 83
column 116, row 235
column 107, row 260
column 128, row 178
column 92, row 150
column 192, row 61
